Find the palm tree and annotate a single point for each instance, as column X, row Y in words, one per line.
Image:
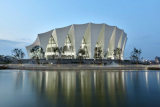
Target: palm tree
column 98, row 54
column 60, row 51
column 81, row 54
column 55, row 50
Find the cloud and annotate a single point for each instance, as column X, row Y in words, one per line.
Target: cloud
column 12, row 43
column 27, row 40
column 6, row 46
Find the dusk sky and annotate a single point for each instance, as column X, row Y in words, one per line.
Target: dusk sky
column 22, row 20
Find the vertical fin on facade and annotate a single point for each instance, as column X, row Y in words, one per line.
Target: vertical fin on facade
column 118, row 37
column 79, row 31
column 95, row 32
column 72, row 38
column 123, row 39
column 124, row 43
column 108, row 34
column 120, row 41
column 100, row 41
column 61, row 35
column 87, row 38
column 55, row 37
column 111, row 46
column 69, row 45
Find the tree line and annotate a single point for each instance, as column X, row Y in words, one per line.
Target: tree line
column 81, row 54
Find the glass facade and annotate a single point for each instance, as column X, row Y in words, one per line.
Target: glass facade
column 98, row 52
column 67, row 52
column 84, row 48
column 37, row 52
column 51, row 53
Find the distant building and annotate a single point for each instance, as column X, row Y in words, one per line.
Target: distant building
column 8, row 57
column 152, row 62
column 157, row 59
column 89, row 37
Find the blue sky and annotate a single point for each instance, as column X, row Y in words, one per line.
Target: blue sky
column 22, row 20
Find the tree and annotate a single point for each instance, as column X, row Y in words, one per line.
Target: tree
column 135, row 55
column 117, row 53
column 81, row 54
column 97, row 53
column 1, row 56
column 59, row 51
column 37, row 60
column 37, row 51
column 55, row 50
column 18, row 53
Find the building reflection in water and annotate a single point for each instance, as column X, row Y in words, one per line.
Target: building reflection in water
column 19, row 78
column 158, row 78
column 82, row 88
column 86, row 88
column 68, row 86
column 146, row 76
column 46, row 83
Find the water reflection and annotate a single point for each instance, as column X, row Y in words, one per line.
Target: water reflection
column 84, row 87
column 158, row 78
column 146, row 76
column 19, row 78
column 88, row 88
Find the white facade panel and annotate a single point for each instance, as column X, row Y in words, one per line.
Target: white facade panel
column 79, row 31
column 62, row 34
column 72, row 38
column 108, row 34
column 95, row 31
column 124, row 43
column 123, row 39
column 43, row 39
column 31, row 46
column 87, row 37
column 101, row 39
column 111, row 45
column 117, row 37
column 55, row 36
column 120, row 41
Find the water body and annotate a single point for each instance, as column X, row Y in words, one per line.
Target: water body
column 83, row 88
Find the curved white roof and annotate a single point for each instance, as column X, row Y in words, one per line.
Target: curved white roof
column 109, row 37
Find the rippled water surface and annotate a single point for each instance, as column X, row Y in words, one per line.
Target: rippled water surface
column 83, row 88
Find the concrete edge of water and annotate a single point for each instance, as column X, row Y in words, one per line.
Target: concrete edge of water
column 77, row 68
